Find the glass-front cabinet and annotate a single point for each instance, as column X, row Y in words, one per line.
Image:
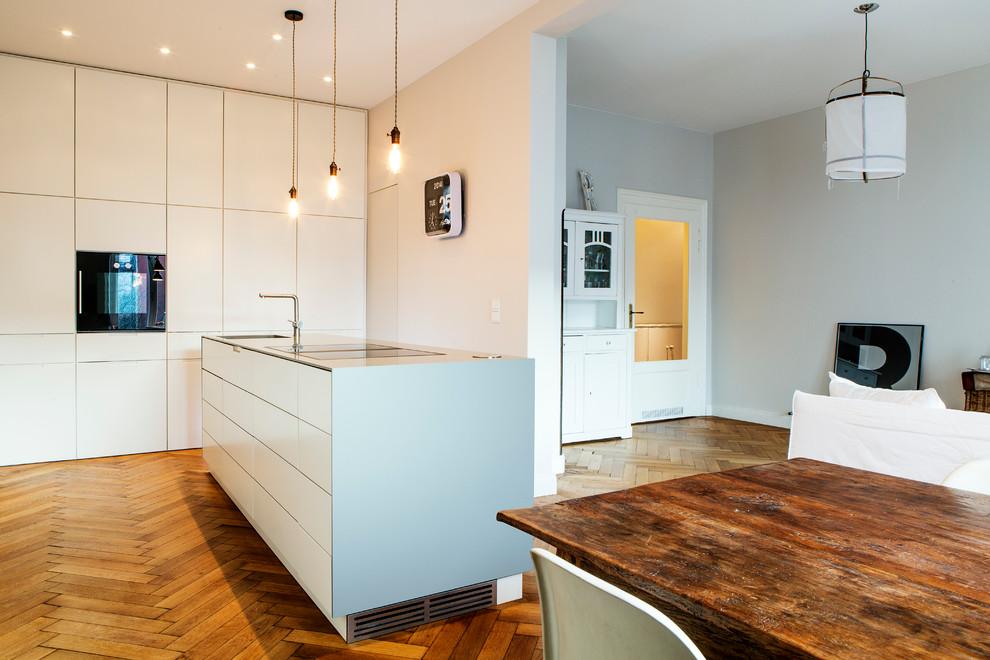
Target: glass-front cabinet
column 590, row 258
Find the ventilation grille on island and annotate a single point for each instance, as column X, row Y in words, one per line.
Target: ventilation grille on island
column 663, row 413
column 400, row 616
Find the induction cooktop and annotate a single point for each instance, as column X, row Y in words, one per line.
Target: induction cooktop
column 353, row 351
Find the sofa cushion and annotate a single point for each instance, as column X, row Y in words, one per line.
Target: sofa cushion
column 843, row 387
column 914, row 442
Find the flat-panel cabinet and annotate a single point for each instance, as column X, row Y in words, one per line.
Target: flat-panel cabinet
column 120, row 136
column 37, row 264
column 257, row 154
column 259, row 256
column 36, row 134
column 195, row 269
column 185, row 420
column 37, row 413
column 595, row 382
column 120, row 408
column 332, row 287
column 316, row 151
column 195, row 145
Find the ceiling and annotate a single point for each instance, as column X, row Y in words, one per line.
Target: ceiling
column 720, row 64
column 708, row 66
column 211, row 41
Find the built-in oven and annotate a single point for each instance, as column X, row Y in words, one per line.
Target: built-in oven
column 120, row 291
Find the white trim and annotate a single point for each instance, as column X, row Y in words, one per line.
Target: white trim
column 780, row 420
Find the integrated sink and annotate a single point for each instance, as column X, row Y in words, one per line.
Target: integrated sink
column 352, row 351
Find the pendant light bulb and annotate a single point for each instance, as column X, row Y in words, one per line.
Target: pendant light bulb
column 293, row 204
column 333, row 188
column 394, row 158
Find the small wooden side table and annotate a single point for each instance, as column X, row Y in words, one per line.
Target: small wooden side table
column 976, row 386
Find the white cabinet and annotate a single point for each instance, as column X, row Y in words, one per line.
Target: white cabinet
column 120, row 227
column 184, row 410
column 36, row 134
column 37, row 413
column 592, row 254
column 195, row 145
column 259, row 256
column 120, row 137
column 120, row 408
column 316, row 151
column 257, row 154
column 195, row 269
column 36, row 253
column 331, row 267
column 572, row 383
column 595, row 383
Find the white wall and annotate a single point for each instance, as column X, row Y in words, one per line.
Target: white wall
column 792, row 259
column 625, row 152
column 472, row 114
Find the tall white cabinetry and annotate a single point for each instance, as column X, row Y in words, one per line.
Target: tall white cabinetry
column 596, row 358
column 106, row 161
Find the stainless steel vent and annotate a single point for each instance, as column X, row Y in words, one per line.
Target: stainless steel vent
column 663, row 413
column 400, row 616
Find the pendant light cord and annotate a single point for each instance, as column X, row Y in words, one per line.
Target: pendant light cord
column 866, row 43
column 293, row 104
column 333, row 158
column 395, row 115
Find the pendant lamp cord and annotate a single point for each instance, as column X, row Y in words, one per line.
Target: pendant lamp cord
column 333, row 158
column 866, row 43
column 395, row 116
column 293, row 104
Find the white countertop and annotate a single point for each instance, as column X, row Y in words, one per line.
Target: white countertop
column 282, row 347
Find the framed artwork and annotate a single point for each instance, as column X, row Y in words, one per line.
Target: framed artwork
column 879, row 355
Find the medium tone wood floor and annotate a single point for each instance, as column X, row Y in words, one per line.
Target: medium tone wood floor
column 145, row 557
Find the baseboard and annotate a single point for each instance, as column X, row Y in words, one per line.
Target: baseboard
column 781, row 420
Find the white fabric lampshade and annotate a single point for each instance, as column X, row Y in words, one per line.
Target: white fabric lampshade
column 866, row 134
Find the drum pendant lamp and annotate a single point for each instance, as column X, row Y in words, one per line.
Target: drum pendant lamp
column 866, row 124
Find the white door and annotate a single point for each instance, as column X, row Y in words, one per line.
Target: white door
column 666, row 300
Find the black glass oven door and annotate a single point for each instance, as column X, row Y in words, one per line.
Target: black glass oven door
column 120, row 291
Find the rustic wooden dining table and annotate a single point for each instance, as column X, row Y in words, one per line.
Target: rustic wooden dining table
column 797, row 559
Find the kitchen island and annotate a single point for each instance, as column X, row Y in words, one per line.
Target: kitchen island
column 374, row 470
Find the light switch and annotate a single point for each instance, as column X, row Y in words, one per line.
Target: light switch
column 496, row 310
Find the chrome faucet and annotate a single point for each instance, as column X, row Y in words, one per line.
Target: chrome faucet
column 296, row 323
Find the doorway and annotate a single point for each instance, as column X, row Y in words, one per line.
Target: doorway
column 666, row 297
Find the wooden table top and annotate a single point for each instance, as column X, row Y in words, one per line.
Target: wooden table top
column 798, row 559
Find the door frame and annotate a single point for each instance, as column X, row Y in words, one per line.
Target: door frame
column 640, row 204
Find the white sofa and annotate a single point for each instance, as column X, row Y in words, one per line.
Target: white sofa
column 915, row 442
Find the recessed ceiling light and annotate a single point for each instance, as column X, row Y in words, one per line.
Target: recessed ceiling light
column 66, row 33
column 277, row 37
column 164, row 51
column 327, row 79
column 250, row 65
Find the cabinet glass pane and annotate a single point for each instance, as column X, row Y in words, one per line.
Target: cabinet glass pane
column 597, row 259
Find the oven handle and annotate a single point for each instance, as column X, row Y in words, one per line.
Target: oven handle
column 79, row 297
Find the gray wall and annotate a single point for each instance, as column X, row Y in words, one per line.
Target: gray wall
column 791, row 259
column 624, row 152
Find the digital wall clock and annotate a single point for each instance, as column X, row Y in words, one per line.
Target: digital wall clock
column 444, row 208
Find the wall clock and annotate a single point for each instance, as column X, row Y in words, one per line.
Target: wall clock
column 444, row 207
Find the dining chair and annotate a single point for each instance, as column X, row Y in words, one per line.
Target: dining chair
column 585, row 618
column 973, row 475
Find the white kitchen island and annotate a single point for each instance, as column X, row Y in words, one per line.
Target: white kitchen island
column 374, row 470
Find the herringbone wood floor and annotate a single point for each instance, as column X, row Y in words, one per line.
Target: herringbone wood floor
column 145, row 557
